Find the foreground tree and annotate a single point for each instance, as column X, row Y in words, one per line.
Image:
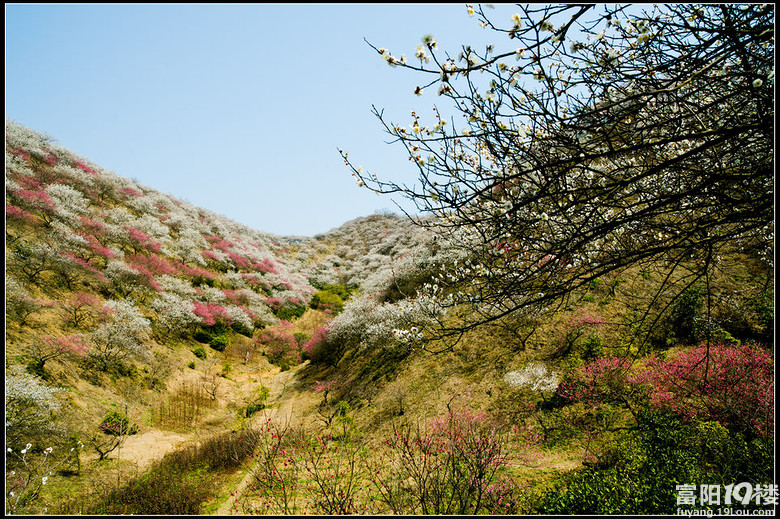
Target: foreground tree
column 603, row 139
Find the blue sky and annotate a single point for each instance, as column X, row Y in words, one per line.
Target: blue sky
column 239, row 109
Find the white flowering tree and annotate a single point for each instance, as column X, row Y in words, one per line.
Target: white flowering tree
column 29, row 406
column 121, row 336
column 597, row 139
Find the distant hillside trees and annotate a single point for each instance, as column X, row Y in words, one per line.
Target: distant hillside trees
column 601, row 139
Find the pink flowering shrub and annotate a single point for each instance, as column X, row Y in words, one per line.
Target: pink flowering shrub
column 38, row 200
column 220, row 243
column 141, row 240
column 85, row 266
column 80, row 308
column 280, row 345
column 450, row 467
column 602, row 381
column 92, row 226
column 152, row 264
column 733, row 385
column 210, row 255
column 315, row 348
column 266, row 266
column 98, row 249
column 85, row 168
column 199, row 273
column 16, row 213
column 129, row 191
column 48, row 347
column 238, row 260
column 211, row 314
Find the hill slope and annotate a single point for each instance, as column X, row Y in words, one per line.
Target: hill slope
column 138, row 326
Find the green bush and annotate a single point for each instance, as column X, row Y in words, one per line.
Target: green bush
column 219, row 342
column 215, row 336
column 191, row 365
column 241, row 329
column 117, row 423
column 639, row 472
column 252, row 409
column 288, row 312
column 201, row 335
column 200, row 352
column 326, row 300
column 593, row 347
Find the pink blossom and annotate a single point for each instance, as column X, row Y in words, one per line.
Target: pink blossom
column 266, row 266
column 85, row 168
column 210, row 255
column 211, row 313
column 238, row 260
column 129, row 191
column 17, row 213
column 92, row 226
column 39, row 200
column 142, row 239
column 152, row 264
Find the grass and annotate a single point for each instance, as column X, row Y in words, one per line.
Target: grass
column 182, row 481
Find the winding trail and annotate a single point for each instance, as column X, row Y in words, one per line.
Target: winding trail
column 282, row 407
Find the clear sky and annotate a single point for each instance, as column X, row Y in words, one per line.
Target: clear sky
column 239, row 109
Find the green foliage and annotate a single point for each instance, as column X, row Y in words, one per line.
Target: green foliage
column 331, row 297
column 191, row 365
column 116, row 423
column 259, row 402
column 289, row 312
column 199, row 352
column 35, row 367
column 592, row 347
column 241, row 329
column 638, row 473
column 763, row 306
column 685, row 314
column 215, row 336
column 226, row 369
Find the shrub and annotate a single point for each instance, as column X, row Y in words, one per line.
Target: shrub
column 316, row 348
column 199, row 352
column 116, row 423
column 326, row 300
column 449, row 468
column 290, row 311
column 640, row 472
column 733, row 385
column 215, row 336
column 280, row 345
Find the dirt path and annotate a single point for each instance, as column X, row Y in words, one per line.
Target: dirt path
column 282, row 403
column 145, row 448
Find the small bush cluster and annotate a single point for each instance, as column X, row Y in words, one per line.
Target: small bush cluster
column 116, row 423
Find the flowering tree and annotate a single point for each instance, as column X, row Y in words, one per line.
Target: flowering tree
column 602, row 139
column 47, row 348
column 29, row 404
column 120, row 336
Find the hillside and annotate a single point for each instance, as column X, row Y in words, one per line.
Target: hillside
column 290, row 375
